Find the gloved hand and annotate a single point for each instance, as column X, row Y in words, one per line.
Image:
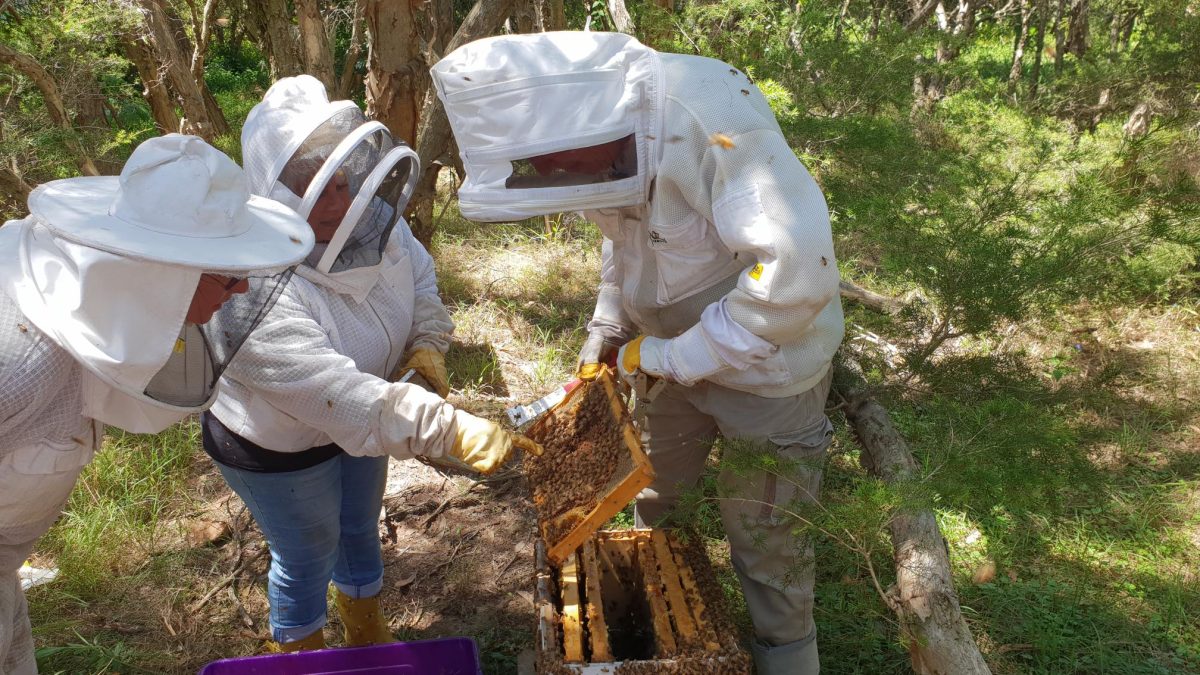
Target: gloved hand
column 484, row 445
column 430, row 365
column 597, row 350
column 646, row 354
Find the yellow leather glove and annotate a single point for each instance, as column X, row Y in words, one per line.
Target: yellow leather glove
column 483, row 445
column 429, row 364
column 588, row 371
column 644, row 353
column 596, row 351
column 631, row 357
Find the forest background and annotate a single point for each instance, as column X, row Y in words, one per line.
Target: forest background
column 1018, row 181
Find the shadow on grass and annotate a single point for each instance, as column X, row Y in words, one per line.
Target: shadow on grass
column 476, row 366
column 1075, row 484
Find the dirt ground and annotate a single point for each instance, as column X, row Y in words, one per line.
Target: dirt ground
column 458, row 560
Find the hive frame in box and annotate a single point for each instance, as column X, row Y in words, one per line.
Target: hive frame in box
column 641, row 473
column 681, row 624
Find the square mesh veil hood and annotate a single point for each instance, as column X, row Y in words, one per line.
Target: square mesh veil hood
column 513, row 97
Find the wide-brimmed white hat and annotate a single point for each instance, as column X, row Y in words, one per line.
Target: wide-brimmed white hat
column 178, row 201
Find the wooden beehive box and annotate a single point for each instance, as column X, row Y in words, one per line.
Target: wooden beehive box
column 633, row 601
column 592, row 467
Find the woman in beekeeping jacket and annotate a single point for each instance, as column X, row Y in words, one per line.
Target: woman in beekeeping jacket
column 109, row 297
column 307, row 414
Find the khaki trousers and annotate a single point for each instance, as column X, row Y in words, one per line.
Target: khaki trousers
column 29, row 505
column 774, row 567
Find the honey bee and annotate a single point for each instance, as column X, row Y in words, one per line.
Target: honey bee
column 722, row 140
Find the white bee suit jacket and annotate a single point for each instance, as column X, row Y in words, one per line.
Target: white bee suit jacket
column 720, row 243
column 45, row 440
column 313, row 371
column 95, row 288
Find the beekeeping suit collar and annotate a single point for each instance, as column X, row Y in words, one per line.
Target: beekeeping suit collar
column 107, row 268
column 514, row 98
column 307, row 152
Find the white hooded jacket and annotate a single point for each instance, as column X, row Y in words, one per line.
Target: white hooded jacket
column 95, row 289
column 720, row 243
column 315, row 369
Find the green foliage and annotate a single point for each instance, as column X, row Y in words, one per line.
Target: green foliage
column 121, row 495
column 89, row 656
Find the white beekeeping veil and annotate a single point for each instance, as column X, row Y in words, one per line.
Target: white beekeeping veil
column 345, row 174
column 521, row 106
column 151, row 280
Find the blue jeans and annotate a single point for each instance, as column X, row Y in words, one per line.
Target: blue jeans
column 321, row 523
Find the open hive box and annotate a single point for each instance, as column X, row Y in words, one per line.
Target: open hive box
column 592, row 465
column 633, row 601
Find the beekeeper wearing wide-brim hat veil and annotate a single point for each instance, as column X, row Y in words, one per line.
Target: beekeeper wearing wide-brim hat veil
column 311, row 408
column 717, row 256
column 122, row 300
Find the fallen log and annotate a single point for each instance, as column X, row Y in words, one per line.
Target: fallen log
column 882, row 303
column 923, row 597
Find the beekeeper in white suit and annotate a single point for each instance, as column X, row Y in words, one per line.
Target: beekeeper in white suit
column 109, row 297
column 717, row 256
column 308, row 411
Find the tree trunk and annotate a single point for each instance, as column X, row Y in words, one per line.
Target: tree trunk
column 53, row 100
column 1127, row 24
column 620, row 16
column 1060, row 36
column 214, row 115
column 923, row 597
column 527, row 16
column 1138, row 123
column 1077, row 28
column 875, row 301
column 314, row 43
column 1040, row 45
column 345, row 89
column 433, row 141
column 165, row 34
column 13, row 187
column 281, row 42
column 154, row 89
column 554, row 15
column 876, row 17
column 841, row 20
column 1019, row 44
column 920, row 13
column 397, row 75
column 203, row 24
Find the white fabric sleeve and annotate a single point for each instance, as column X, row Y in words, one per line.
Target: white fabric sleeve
column 767, row 207
column 432, row 324
column 715, row 343
column 610, row 320
column 289, row 362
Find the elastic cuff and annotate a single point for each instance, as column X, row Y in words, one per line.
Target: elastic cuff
column 298, row 633
column 362, row 590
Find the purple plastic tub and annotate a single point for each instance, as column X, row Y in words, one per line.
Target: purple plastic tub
column 447, row 656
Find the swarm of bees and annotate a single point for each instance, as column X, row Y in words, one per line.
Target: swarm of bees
column 583, row 450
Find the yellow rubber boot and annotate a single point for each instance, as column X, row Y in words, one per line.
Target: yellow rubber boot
column 363, row 621
column 307, row 644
